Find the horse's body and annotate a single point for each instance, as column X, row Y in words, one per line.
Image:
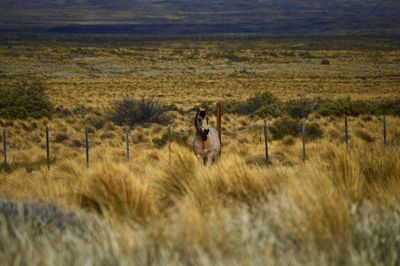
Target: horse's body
column 206, row 143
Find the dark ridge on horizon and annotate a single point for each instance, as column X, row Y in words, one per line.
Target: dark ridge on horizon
column 200, row 17
column 289, row 28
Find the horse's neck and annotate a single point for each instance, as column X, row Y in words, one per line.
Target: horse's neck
column 201, row 143
column 201, row 136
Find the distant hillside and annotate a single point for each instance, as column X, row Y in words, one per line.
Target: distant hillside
column 188, row 17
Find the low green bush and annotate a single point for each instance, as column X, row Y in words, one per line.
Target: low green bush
column 261, row 104
column 271, row 110
column 325, row 62
column 391, row 107
column 351, row 107
column 131, row 112
column 314, row 131
column 267, row 105
column 23, row 100
column 288, row 126
column 285, row 126
column 300, row 108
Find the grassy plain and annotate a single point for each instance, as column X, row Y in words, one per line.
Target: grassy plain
column 338, row 208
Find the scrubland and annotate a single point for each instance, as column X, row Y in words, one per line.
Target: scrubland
column 339, row 207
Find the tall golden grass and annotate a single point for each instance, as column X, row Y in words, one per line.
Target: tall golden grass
column 339, row 207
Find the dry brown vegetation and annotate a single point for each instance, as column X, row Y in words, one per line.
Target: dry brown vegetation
column 340, row 207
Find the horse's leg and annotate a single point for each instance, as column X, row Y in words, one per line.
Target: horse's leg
column 200, row 158
column 209, row 160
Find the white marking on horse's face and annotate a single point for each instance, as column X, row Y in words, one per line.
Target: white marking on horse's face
column 204, row 125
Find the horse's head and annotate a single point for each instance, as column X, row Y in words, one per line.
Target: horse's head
column 201, row 124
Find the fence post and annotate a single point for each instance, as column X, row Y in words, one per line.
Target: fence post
column 266, row 140
column 219, row 125
column 4, row 150
column 87, row 146
column 47, row 148
column 303, row 139
column 169, row 143
column 346, row 131
column 127, row 143
column 384, row 131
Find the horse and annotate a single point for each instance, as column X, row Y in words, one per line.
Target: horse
column 206, row 142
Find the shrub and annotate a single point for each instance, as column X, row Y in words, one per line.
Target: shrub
column 325, row 62
column 332, row 108
column 131, row 112
column 272, row 110
column 264, row 103
column 300, row 108
column 23, row 100
column 347, row 106
column 390, row 107
column 356, row 108
column 288, row 126
column 285, row 126
column 314, row 131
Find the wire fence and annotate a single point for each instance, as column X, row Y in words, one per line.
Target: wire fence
column 264, row 130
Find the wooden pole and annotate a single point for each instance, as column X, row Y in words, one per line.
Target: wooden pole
column 87, row 146
column 346, row 131
column 266, row 140
column 48, row 148
column 219, row 124
column 127, row 144
column 303, row 140
column 384, row 131
column 169, row 143
column 4, row 150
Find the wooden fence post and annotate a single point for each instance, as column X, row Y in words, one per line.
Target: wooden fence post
column 4, row 150
column 346, row 131
column 127, row 143
column 169, row 143
column 47, row 148
column 384, row 131
column 303, row 139
column 87, row 146
column 266, row 140
column 219, row 124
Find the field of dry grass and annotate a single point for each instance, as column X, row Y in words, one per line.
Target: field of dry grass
column 340, row 207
